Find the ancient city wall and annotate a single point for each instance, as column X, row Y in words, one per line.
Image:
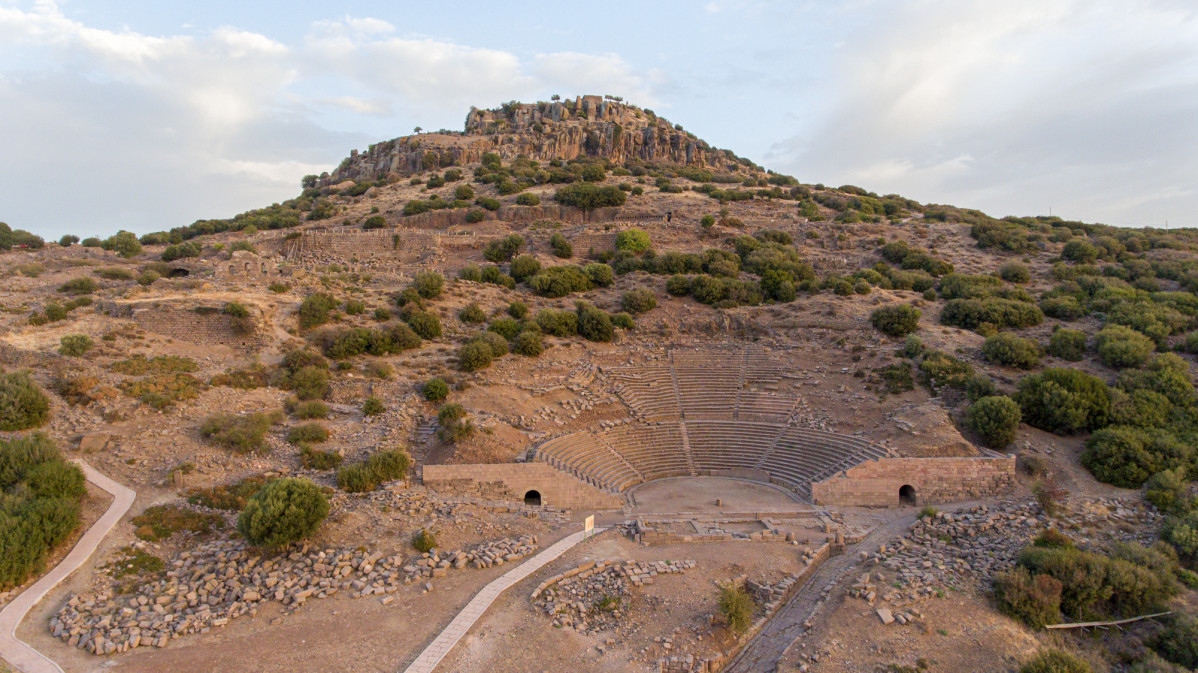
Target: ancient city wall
column 511, row 481
column 877, row 483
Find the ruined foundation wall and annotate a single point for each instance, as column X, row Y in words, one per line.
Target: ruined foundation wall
column 876, row 483
column 510, row 481
column 206, row 327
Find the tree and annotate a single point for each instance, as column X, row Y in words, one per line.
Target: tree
column 996, row 419
column 417, row 130
column 68, row 240
column 283, row 511
column 896, row 321
column 124, row 243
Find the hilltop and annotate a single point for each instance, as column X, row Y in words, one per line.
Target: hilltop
column 459, row 344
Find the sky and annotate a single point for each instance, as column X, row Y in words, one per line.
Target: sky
column 146, row 115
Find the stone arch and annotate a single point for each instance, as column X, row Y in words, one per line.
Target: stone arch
column 907, row 495
column 532, row 498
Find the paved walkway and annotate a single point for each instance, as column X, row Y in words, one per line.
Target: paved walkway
column 12, row 649
column 444, row 642
column 763, row 653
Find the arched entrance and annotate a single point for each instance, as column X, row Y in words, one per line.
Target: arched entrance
column 907, row 495
column 178, row 273
column 533, row 498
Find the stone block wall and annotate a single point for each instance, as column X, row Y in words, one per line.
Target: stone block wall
column 511, row 481
column 207, row 326
column 878, row 483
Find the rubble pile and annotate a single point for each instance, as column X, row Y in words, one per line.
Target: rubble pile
column 590, row 597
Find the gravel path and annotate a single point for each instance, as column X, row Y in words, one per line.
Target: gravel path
column 13, row 649
column 432, row 655
column 762, row 653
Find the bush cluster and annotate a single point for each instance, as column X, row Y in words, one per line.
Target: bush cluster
column 896, row 321
column 378, row 468
column 241, row 433
column 39, row 507
column 1010, row 350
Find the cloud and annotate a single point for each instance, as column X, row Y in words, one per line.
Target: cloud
column 148, row 132
column 1014, row 108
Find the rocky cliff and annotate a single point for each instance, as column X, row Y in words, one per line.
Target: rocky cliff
column 588, row 126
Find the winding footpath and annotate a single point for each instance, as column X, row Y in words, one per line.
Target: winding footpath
column 432, row 655
column 763, row 653
column 12, row 649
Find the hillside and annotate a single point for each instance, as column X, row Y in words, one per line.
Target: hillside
column 713, row 356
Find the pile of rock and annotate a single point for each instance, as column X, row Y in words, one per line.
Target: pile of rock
column 590, row 596
column 770, row 596
column 222, row 581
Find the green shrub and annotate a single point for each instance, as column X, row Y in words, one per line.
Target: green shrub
column 307, row 433
column 1178, row 641
column 503, row 249
column 1120, row 346
column 561, row 247
column 1079, row 251
column 557, row 323
column 639, row 300
column 316, row 459
column 1062, row 308
column 56, row 479
column 378, row 468
column 240, row 433
column 896, row 321
column 372, row 406
column 996, row 419
column 475, row 216
column 507, row 328
column 77, row 286
column 633, row 240
column 75, row 345
column 1035, row 601
column 435, row 390
column 123, row 243
column 472, row 313
column 1064, row 401
column 1096, row 585
column 424, row 324
column 1127, row 457
column 601, row 275
column 528, row 344
column 308, row 383
column 524, row 267
column 352, row 307
column 424, row 541
column 1010, row 350
column 455, row 423
column 518, row 310
column 970, row 313
column 114, row 273
column 1055, row 661
column 589, row 197
column 623, row 320
column 282, row 512
column 678, row 286
column 528, row 200
column 1167, row 491
column 941, row 369
column 559, row 281
column 1068, row 344
column 374, row 222
column 428, row 284
column 159, row 522
column 736, row 606
column 1014, row 272
column 310, row 409
column 314, row 310
column 23, row 405
column 594, row 324
column 474, row 355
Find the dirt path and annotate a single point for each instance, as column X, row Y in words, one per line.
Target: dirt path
column 14, row 650
column 762, row 654
column 432, row 655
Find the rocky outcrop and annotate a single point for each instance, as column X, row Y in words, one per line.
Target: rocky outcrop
column 588, row 126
